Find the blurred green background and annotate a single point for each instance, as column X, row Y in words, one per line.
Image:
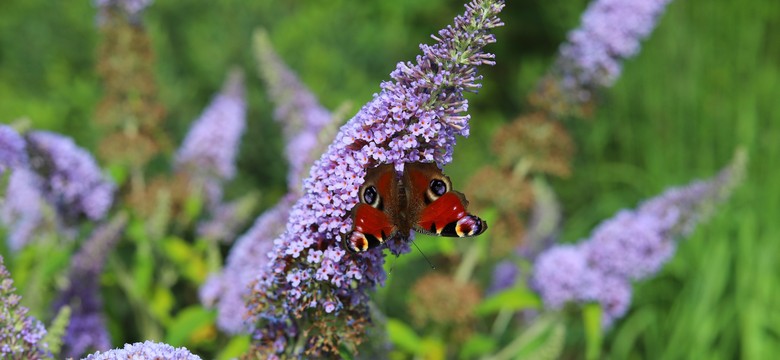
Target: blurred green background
column 707, row 81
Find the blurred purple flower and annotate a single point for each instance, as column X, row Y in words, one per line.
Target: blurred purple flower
column 633, row 245
column 413, row 118
column 505, row 275
column 610, row 32
column 211, row 145
column 70, row 178
column 297, row 109
column 131, row 8
column 210, row 148
column 87, row 330
column 145, row 350
column 20, row 335
column 12, row 149
column 21, row 211
column 248, row 258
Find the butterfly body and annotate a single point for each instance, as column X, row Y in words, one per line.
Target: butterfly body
column 422, row 199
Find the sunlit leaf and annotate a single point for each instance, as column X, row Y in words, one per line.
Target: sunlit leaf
column 189, row 322
column 517, row 298
column 591, row 318
column 402, row 336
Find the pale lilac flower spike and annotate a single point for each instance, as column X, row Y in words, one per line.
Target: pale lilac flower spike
column 12, row 149
column 415, row 117
column 211, row 145
column 131, row 8
column 610, row 32
column 21, row 335
column 296, row 108
column 145, row 350
column 21, row 211
column 633, row 245
column 248, row 258
column 70, row 178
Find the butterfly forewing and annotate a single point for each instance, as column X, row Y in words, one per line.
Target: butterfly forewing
column 373, row 217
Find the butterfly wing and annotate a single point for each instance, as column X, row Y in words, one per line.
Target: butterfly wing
column 373, row 219
column 434, row 208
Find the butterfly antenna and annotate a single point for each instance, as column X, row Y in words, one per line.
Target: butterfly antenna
column 423, row 255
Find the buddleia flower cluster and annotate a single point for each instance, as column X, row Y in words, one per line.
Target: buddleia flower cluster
column 633, row 245
column 21, row 335
column 69, row 177
column 145, row 350
column 209, row 150
column 314, row 292
column 21, row 211
column 130, row 8
column 12, row 149
column 303, row 122
column 592, row 56
column 87, row 329
column 296, row 108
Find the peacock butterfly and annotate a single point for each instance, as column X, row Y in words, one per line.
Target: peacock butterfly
column 421, row 200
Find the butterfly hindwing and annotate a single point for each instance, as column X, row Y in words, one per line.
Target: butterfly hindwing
column 435, row 208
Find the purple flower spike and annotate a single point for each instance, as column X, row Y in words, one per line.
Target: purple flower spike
column 87, row 329
column 228, row 290
column 12, row 149
column 20, row 335
column 71, row 180
column 413, row 118
column 611, row 31
column 211, row 145
column 21, row 211
column 131, row 8
column 297, row 109
column 145, row 350
column 633, row 245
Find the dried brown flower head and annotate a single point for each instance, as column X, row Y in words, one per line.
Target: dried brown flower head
column 534, row 143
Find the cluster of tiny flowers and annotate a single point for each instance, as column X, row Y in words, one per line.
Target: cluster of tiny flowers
column 631, row 246
column 296, row 108
column 20, row 335
column 21, row 211
column 131, row 8
column 71, row 180
column 211, row 145
column 145, row 350
column 87, row 329
column 413, row 118
column 611, row 31
column 228, row 290
column 12, row 149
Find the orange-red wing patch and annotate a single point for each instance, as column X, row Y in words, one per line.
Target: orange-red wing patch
column 371, row 221
column 445, row 210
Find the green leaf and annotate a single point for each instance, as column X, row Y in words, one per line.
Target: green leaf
column 591, row 318
column 237, row 346
column 162, row 303
column 190, row 262
column 432, row 349
column 517, row 298
column 188, row 323
column 476, row 346
column 403, row 336
column 56, row 330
